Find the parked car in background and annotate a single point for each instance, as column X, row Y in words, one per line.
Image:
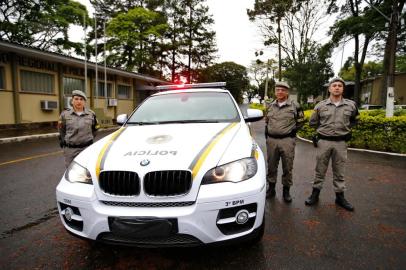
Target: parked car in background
column 371, row 107
column 400, row 107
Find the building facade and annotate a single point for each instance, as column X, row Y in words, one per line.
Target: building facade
column 371, row 90
column 35, row 86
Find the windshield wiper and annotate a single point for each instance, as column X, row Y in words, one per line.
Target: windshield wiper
column 188, row 121
column 143, row 123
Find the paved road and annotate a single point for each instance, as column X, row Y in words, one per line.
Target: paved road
column 296, row 237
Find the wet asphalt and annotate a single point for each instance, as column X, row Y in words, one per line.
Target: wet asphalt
column 296, row 236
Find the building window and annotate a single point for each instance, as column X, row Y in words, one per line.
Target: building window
column 100, row 90
column 70, row 84
column 123, row 91
column 2, row 78
column 37, row 82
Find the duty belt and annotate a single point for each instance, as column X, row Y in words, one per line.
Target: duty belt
column 78, row 145
column 346, row 137
column 292, row 135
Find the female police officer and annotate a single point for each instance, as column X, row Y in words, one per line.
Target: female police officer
column 77, row 127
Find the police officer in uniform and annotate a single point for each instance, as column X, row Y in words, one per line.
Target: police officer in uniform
column 333, row 119
column 283, row 118
column 77, row 127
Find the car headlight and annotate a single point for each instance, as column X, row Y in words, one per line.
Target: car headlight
column 78, row 174
column 236, row 171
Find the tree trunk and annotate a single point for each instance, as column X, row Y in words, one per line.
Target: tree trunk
column 388, row 79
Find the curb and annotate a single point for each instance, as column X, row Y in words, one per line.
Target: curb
column 41, row 136
column 361, row 150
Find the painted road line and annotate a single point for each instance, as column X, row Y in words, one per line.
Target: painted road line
column 32, row 157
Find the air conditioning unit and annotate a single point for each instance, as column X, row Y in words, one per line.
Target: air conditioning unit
column 112, row 102
column 49, row 105
column 67, row 102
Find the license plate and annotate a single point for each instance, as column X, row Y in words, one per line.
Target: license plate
column 142, row 227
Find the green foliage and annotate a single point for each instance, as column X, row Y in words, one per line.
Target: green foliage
column 374, row 131
column 186, row 46
column 41, row 24
column 131, row 35
column 369, row 69
column 401, row 63
column 309, row 76
column 233, row 74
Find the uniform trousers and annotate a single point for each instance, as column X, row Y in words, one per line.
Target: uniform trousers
column 337, row 152
column 70, row 154
column 280, row 149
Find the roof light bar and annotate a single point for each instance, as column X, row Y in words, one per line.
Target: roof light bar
column 190, row 86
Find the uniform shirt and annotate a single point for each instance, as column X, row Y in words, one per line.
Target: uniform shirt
column 331, row 120
column 77, row 129
column 285, row 119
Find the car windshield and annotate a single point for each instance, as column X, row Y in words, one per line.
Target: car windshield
column 186, row 107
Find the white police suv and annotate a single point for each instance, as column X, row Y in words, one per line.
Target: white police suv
column 183, row 170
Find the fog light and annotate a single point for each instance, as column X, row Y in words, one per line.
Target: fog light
column 242, row 216
column 68, row 213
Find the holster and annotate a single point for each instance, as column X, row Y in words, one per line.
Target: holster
column 315, row 140
column 62, row 143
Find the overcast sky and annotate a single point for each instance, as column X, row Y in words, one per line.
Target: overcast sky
column 237, row 38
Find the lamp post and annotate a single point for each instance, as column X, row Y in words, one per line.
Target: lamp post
column 266, row 81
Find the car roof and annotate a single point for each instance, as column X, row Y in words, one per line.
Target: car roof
column 190, row 90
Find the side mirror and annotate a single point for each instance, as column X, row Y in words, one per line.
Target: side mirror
column 121, row 119
column 253, row 115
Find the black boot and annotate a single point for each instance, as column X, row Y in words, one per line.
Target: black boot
column 286, row 195
column 270, row 193
column 341, row 201
column 314, row 198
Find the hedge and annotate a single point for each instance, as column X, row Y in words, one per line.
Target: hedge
column 374, row 131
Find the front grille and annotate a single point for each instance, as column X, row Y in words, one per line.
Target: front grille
column 149, row 204
column 120, row 183
column 167, row 183
column 176, row 240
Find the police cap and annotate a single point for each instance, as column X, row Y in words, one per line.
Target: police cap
column 79, row 93
column 282, row 84
column 336, row 79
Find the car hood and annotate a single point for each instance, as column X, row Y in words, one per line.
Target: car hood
column 195, row 147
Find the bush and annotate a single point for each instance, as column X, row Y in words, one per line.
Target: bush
column 374, row 131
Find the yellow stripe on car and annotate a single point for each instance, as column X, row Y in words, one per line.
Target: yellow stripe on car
column 104, row 151
column 205, row 152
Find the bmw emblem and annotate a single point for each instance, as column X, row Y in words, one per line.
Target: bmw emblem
column 144, row 162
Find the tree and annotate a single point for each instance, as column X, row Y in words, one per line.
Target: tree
column 269, row 13
column 191, row 43
column 302, row 55
column 186, row 39
column 131, row 33
column 41, row 24
column 369, row 69
column 308, row 77
column 258, row 72
column 233, row 74
column 361, row 23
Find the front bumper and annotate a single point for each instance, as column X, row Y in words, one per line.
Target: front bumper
column 209, row 219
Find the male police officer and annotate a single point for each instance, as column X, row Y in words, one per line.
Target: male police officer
column 283, row 118
column 333, row 119
column 77, row 127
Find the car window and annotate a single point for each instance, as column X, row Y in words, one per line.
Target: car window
column 186, row 107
